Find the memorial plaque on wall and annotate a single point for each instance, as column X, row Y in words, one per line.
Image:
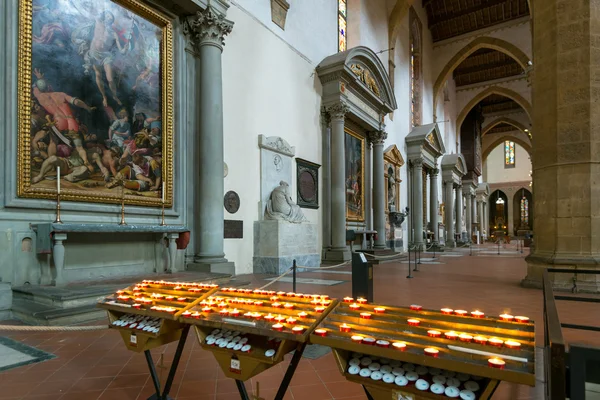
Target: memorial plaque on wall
column 233, row 229
column 231, row 202
column 307, row 183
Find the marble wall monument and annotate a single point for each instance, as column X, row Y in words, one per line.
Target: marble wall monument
column 282, row 234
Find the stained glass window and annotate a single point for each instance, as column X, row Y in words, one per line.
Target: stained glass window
column 509, row 154
column 524, row 211
column 342, row 19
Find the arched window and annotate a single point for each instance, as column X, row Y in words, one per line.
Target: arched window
column 342, row 20
column 509, row 154
column 416, row 81
column 524, row 211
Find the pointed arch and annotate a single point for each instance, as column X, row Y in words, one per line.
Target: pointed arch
column 479, row 43
column 502, row 120
column 511, row 94
column 501, row 140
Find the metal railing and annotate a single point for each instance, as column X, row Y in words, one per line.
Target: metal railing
column 565, row 372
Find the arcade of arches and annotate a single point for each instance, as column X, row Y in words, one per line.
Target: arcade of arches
column 387, row 126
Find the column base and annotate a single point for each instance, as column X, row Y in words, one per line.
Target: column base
column 214, row 265
column 337, row 254
column 563, row 281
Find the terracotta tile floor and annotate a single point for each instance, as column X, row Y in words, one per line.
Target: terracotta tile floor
column 95, row 365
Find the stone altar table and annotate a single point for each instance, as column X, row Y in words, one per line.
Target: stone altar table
column 50, row 239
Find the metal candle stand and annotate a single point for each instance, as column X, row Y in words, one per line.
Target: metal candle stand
column 57, row 220
column 162, row 221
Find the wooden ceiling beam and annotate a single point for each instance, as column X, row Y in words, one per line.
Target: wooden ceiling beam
column 483, row 67
column 461, row 12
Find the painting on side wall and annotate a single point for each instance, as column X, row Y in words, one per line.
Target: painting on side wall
column 95, row 101
column 355, row 176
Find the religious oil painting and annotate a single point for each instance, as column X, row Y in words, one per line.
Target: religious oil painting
column 355, row 182
column 95, row 101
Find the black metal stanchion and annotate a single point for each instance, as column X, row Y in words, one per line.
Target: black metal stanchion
column 470, row 249
column 242, row 389
column 417, row 257
column 294, row 275
column 498, row 246
column 409, row 262
column 289, row 373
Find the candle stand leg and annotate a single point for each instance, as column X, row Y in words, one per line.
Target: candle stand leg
column 290, row 371
column 242, row 390
column 172, row 371
column 409, row 262
column 369, row 397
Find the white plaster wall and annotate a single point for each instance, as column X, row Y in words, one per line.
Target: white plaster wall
column 278, row 96
column 494, row 171
column 310, row 26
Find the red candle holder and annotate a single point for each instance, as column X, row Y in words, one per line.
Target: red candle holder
column 248, row 314
column 383, row 343
column 506, row 317
column 345, row 328
column 434, row 333
column 302, row 314
column 431, row 352
column 447, row 311
column 277, row 327
column 522, row 319
column 258, row 303
column 186, row 314
column 465, row 338
column 496, row 363
column 379, row 310
column 196, row 315
column 416, row 307
column 354, row 306
column 222, row 305
column 298, row 330
column 413, row 322
column 288, row 306
column 291, row 321
column 451, row 335
column 137, row 289
column 315, row 302
column 170, row 298
column 274, row 298
column 224, row 312
column 495, row 342
column 365, row 315
column 361, row 300
column 477, row 314
column 461, row 313
column 279, row 318
column 369, row 341
column 357, row 339
column 319, row 309
column 276, row 305
column 137, row 306
column 182, row 299
column 321, row 332
column 234, row 313
column 348, row 299
column 269, row 317
column 401, row 346
column 280, row 293
column 325, row 302
column 123, row 297
column 480, row 339
column 511, row 344
column 324, row 297
column 207, row 309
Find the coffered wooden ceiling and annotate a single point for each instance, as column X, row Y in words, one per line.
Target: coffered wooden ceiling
column 485, row 65
column 496, row 103
column 450, row 18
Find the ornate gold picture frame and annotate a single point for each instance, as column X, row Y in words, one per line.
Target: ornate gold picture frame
column 355, row 176
column 95, row 100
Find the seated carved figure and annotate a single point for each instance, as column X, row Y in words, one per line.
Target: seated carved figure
column 281, row 206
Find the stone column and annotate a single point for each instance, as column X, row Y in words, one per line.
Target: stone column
column 486, row 219
column 474, row 210
column 417, row 191
column 449, row 214
column 433, row 209
column 377, row 138
column 481, row 216
column 459, row 211
column 207, row 30
column 468, row 214
column 566, row 142
column 338, row 252
column 326, row 179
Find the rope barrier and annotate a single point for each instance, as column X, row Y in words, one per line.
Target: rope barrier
column 398, row 256
column 322, row 268
column 21, row 328
column 276, row 279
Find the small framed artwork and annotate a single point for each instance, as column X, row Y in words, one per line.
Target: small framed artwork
column 307, row 183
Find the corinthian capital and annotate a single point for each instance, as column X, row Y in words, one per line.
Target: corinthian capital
column 338, row 110
column 417, row 162
column 377, row 137
column 207, row 27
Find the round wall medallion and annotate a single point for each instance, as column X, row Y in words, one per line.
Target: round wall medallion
column 231, row 202
column 307, row 186
column 225, row 170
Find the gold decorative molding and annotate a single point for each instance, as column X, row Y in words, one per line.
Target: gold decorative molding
column 366, row 77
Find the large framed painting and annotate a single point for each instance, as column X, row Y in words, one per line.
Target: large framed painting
column 95, row 101
column 355, row 176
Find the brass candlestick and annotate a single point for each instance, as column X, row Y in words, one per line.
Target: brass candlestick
column 57, row 220
column 122, row 207
column 162, row 222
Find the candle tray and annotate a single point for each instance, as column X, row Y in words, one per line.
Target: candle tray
column 128, row 302
column 258, row 331
column 391, row 326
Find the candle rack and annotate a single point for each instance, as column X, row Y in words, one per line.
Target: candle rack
column 58, row 220
column 147, row 316
column 249, row 316
column 390, row 339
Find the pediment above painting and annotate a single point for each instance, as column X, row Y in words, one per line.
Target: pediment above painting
column 428, row 136
column 393, row 156
column 455, row 163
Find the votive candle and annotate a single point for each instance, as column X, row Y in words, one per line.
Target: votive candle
column 258, row 303
column 451, row 335
column 298, row 330
column 480, row 339
column 276, row 305
column 399, row 346
column 348, row 299
column 235, row 312
column 379, row 310
column 319, row 309
column 302, row 314
column 291, row 321
column 447, row 311
column 465, row 337
column 279, row 318
column 434, row 333
column 511, row 344
column 269, row 317
column 477, row 314
column 321, row 332
column 357, row 339
column 495, row 342
column 462, row 313
column 361, row 300
column 416, row 307
column 365, row 315
column 496, row 363
column 277, row 327
column 430, row 351
column 354, row 306
column 413, row 322
column 506, row 317
column 345, row 328
column 522, row 319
